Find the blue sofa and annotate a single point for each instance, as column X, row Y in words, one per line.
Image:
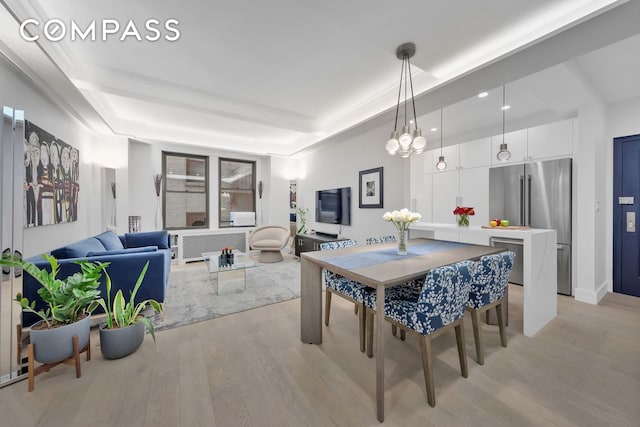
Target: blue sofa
column 127, row 254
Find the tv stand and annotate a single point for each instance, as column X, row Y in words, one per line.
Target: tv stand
column 311, row 242
column 322, row 234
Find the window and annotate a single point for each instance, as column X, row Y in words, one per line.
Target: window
column 237, row 189
column 186, row 191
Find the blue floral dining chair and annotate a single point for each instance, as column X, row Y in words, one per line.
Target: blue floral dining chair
column 489, row 290
column 346, row 288
column 437, row 307
column 381, row 239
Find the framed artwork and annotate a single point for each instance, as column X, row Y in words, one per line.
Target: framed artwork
column 371, row 188
column 51, row 178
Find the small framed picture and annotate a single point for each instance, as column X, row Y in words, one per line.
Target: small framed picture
column 371, row 191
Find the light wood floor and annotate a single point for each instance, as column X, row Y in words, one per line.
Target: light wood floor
column 250, row 369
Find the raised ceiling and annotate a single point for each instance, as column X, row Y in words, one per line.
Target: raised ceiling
column 279, row 76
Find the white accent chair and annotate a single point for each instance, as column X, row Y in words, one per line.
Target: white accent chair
column 270, row 240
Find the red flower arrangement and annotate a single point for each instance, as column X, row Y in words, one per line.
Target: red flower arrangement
column 463, row 210
column 463, row 213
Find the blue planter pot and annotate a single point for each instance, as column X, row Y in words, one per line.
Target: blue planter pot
column 120, row 342
column 56, row 344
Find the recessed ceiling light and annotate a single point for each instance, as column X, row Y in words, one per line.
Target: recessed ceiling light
column 505, row 107
column 483, row 94
column 434, row 129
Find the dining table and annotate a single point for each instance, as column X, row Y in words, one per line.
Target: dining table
column 379, row 267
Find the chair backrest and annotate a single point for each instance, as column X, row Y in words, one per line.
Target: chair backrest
column 444, row 296
column 337, row 245
column 381, row 239
column 270, row 232
column 491, row 279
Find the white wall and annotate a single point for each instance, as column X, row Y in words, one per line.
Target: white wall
column 338, row 166
column 20, row 94
column 283, row 169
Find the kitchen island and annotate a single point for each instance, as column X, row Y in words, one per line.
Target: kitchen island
column 539, row 264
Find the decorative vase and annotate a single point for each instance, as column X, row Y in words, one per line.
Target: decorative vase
column 120, row 342
column 158, row 218
column 402, row 242
column 463, row 220
column 56, row 344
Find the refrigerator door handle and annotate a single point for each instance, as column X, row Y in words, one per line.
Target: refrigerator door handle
column 522, row 200
column 528, row 200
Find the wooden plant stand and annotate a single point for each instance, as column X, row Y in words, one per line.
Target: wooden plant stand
column 73, row 360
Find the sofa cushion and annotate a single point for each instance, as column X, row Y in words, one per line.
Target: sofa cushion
column 78, row 249
column 110, row 240
column 149, row 238
column 124, row 251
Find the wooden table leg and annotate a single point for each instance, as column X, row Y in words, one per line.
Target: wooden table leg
column 380, row 352
column 310, row 302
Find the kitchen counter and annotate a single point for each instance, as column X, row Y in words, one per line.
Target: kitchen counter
column 539, row 264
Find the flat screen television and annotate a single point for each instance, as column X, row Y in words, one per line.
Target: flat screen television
column 334, row 206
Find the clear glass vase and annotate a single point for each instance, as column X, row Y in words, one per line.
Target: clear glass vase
column 402, row 242
column 463, row 220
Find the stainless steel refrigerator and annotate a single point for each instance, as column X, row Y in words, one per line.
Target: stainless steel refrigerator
column 536, row 194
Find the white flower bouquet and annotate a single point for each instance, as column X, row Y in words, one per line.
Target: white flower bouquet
column 402, row 219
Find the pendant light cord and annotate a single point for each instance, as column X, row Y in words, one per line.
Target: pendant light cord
column 504, row 103
column 395, row 126
column 441, row 132
column 405, row 58
column 413, row 101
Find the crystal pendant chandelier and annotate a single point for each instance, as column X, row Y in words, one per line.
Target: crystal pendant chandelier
column 410, row 141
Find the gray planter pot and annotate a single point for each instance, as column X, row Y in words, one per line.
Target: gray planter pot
column 121, row 342
column 56, row 344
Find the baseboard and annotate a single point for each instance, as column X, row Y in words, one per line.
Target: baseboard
column 592, row 297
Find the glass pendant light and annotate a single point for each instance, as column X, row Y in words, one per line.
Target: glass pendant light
column 504, row 153
column 410, row 141
column 441, row 165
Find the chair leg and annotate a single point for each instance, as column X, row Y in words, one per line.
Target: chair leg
column 394, row 330
column 369, row 332
column 462, row 350
column 506, row 307
column 425, row 350
column 327, row 307
column 355, row 309
column 403, row 334
column 362, row 321
column 477, row 337
column 503, row 334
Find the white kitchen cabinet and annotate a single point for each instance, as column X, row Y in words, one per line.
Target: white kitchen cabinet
column 550, row 140
column 424, row 204
column 451, row 157
column 445, row 192
column 474, row 190
column 476, row 153
column 428, row 164
column 516, row 143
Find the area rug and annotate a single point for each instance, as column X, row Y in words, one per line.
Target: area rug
column 191, row 292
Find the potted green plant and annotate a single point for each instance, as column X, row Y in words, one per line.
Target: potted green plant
column 123, row 331
column 69, row 304
column 302, row 218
